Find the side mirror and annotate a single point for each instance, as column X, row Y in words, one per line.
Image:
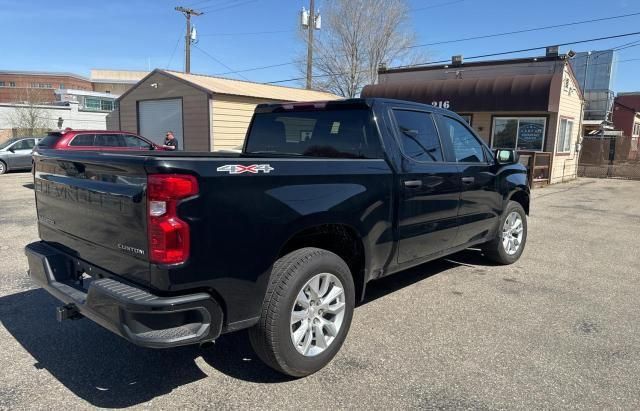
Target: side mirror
column 506, row 156
column 13, row 150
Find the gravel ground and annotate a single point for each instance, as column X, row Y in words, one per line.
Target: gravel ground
column 558, row 329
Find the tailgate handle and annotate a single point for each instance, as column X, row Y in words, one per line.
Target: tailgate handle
column 413, row 183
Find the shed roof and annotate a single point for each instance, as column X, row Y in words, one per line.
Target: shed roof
column 220, row 85
column 504, row 93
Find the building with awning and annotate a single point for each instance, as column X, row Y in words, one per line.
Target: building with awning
column 533, row 105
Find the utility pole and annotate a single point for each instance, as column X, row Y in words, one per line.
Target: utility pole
column 310, row 28
column 311, row 21
column 187, row 39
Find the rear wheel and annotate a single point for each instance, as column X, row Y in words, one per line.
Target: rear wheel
column 511, row 237
column 3, row 167
column 306, row 312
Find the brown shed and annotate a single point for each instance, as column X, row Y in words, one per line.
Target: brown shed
column 205, row 113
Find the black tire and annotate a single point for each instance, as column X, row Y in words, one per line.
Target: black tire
column 271, row 338
column 3, row 167
column 495, row 250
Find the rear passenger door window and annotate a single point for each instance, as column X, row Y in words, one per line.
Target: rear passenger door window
column 466, row 146
column 418, row 135
column 83, row 140
column 109, row 140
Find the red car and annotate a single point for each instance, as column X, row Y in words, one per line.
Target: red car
column 99, row 140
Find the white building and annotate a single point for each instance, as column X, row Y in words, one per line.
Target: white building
column 57, row 116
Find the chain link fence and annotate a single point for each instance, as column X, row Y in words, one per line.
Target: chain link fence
column 610, row 158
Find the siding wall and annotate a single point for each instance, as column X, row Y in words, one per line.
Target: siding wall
column 230, row 117
column 195, row 108
column 113, row 120
column 565, row 164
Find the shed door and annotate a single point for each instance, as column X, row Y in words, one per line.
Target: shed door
column 156, row 117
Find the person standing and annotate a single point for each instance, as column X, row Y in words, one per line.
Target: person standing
column 170, row 142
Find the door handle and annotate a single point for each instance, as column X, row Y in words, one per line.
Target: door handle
column 413, row 183
column 468, row 180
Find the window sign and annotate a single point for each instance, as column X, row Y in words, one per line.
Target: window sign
column 520, row 133
column 530, row 134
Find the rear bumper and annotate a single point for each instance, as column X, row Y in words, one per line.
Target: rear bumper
column 137, row 315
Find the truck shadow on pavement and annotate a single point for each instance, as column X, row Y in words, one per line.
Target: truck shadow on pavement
column 107, row 371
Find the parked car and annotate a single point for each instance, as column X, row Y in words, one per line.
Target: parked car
column 167, row 249
column 15, row 154
column 84, row 140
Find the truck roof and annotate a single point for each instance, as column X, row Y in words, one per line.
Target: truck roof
column 350, row 102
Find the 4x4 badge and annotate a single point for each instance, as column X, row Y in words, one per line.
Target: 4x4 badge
column 239, row 168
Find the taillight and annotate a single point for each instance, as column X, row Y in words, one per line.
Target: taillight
column 168, row 235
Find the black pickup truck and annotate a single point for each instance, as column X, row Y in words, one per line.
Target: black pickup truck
column 176, row 248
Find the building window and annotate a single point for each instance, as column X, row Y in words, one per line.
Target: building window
column 636, row 129
column 91, row 103
column 106, row 105
column 2, row 84
column 98, row 104
column 520, row 133
column 62, row 87
column 12, row 84
column 564, row 136
column 41, row 85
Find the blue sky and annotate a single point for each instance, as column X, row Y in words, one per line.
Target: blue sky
column 78, row 35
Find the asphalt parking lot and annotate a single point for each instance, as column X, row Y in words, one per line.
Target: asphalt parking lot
column 558, row 329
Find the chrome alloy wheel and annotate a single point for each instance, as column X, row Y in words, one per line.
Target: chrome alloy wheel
column 317, row 314
column 512, row 232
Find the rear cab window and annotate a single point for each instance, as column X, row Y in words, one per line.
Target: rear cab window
column 342, row 132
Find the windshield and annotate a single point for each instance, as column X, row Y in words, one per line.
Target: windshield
column 338, row 133
column 7, row 143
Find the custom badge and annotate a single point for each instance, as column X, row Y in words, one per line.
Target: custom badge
column 240, row 169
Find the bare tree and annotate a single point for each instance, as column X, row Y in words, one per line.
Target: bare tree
column 27, row 118
column 356, row 37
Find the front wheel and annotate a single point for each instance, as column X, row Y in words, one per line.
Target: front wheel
column 306, row 312
column 3, row 167
column 511, row 237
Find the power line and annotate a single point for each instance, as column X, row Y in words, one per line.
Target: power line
column 478, row 56
column 627, row 60
column 530, row 49
column 247, row 33
column 480, row 37
column 174, row 51
column 253, row 69
column 437, row 5
column 508, row 33
column 218, row 61
column 228, row 6
column 628, row 46
column 199, row 3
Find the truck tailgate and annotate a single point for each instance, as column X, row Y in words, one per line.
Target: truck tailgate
column 92, row 205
